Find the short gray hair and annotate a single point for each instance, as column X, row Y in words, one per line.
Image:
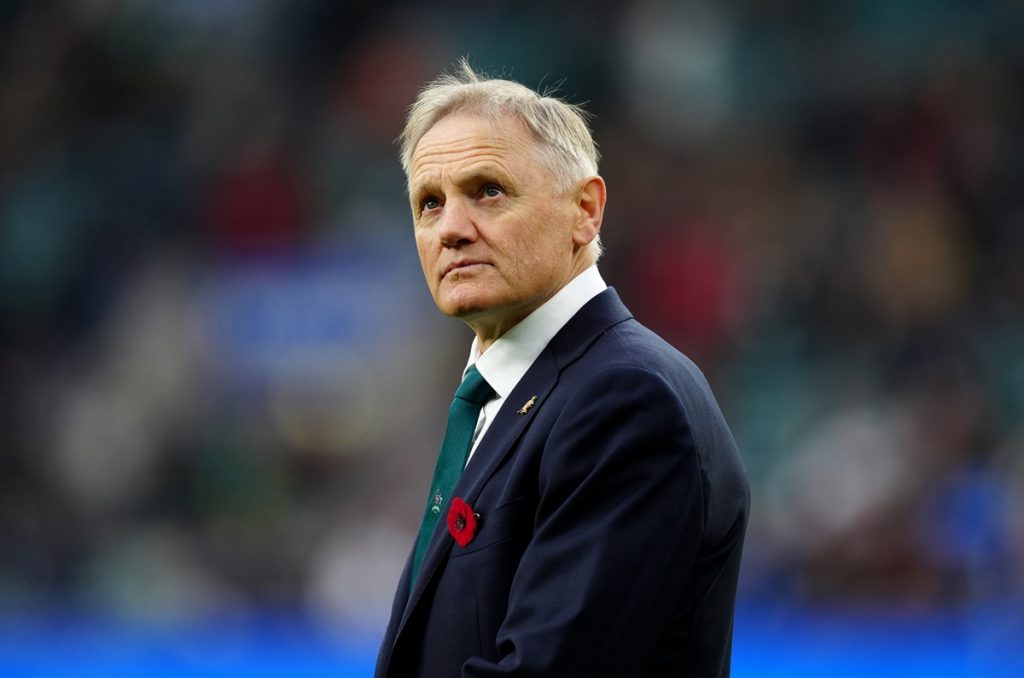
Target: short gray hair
column 564, row 142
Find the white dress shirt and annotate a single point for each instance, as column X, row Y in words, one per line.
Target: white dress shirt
column 508, row 358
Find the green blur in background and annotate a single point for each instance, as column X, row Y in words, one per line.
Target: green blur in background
column 220, row 368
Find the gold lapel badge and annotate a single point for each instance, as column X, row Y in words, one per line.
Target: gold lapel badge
column 526, row 407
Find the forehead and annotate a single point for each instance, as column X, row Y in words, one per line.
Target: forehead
column 462, row 140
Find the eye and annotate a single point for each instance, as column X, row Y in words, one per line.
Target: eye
column 429, row 203
column 492, row 191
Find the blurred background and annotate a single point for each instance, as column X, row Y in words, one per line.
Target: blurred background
column 223, row 382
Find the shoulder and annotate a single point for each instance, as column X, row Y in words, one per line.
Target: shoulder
column 630, row 368
column 630, row 375
column 632, row 352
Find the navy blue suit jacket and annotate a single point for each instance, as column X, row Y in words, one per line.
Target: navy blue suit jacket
column 611, row 521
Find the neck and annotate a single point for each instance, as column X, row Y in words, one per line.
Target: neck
column 489, row 332
column 489, row 329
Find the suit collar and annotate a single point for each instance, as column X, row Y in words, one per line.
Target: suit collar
column 597, row 317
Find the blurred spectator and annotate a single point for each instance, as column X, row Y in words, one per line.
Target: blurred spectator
column 212, row 369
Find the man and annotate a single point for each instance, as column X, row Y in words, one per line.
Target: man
column 597, row 526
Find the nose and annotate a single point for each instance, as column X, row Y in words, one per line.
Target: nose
column 457, row 226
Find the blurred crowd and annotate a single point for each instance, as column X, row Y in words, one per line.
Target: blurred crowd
column 222, row 380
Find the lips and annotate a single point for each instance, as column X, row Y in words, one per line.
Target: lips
column 461, row 264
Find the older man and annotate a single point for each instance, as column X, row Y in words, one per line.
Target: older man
column 587, row 512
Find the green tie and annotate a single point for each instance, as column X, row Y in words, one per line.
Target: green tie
column 462, row 418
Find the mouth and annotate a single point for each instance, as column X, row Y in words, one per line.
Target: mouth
column 462, row 266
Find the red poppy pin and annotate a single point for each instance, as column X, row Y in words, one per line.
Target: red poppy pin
column 461, row 522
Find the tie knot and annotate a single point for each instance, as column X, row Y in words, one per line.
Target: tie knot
column 475, row 388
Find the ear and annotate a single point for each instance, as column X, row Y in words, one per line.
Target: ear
column 590, row 198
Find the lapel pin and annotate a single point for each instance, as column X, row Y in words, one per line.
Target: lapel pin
column 526, row 407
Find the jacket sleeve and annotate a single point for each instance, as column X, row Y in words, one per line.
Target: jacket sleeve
column 618, row 529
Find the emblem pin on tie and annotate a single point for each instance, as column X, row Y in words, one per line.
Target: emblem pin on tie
column 526, row 407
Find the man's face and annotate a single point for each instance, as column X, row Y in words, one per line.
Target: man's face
column 495, row 239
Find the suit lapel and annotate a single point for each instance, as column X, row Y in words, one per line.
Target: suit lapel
column 499, row 440
column 509, row 424
column 596, row 317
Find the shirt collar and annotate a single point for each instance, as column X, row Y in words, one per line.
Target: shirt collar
column 508, row 358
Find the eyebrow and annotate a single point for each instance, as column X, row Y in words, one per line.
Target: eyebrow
column 476, row 176
column 483, row 175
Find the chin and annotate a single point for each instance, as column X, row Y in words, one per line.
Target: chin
column 466, row 301
column 464, row 308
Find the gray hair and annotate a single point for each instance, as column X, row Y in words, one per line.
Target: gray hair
column 564, row 142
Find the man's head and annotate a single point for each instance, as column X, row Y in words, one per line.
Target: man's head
column 506, row 200
column 563, row 139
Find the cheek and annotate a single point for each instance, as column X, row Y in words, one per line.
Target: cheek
column 428, row 257
column 540, row 249
column 423, row 247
